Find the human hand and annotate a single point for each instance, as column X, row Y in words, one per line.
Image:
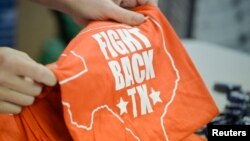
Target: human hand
column 82, row 10
column 21, row 80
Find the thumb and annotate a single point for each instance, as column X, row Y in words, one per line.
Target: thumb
column 124, row 16
column 52, row 66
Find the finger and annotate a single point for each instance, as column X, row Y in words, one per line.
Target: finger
column 14, row 97
column 124, row 16
column 6, row 107
column 52, row 66
column 128, row 3
column 25, row 56
column 35, row 71
column 20, row 84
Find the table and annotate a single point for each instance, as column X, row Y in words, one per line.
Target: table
column 217, row 63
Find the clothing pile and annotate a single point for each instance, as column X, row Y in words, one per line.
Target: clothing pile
column 237, row 111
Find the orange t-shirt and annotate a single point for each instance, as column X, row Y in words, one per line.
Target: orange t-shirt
column 122, row 83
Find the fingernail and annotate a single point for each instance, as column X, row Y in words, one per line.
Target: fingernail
column 52, row 66
column 49, row 78
column 52, row 80
column 37, row 89
column 139, row 18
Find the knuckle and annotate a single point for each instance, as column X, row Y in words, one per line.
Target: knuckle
column 17, row 66
column 25, row 54
column 33, row 88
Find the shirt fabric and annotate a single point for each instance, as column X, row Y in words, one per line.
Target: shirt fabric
column 121, row 83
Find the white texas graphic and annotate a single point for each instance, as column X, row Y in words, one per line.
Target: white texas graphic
column 155, row 95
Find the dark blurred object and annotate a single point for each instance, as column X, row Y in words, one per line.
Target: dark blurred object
column 224, row 88
column 235, row 94
column 52, row 48
column 224, row 22
column 67, row 27
column 180, row 14
column 8, row 20
column 238, row 109
column 236, row 112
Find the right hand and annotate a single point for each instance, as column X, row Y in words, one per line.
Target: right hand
column 21, row 80
column 84, row 10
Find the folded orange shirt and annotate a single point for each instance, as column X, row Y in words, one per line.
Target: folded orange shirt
column 121, row 83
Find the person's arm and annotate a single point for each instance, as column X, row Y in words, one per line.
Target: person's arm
column 82, row 10
column 21, row 79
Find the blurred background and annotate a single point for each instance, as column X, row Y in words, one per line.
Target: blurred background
column 216, row 34
column 225, row 22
